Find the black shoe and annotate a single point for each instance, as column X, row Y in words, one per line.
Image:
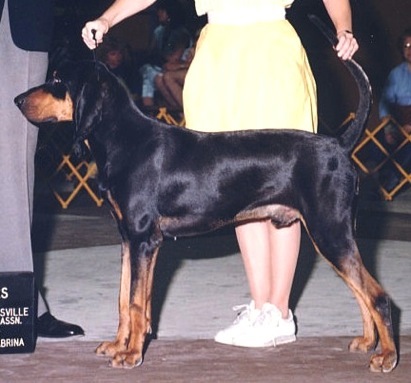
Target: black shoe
column 50, row 327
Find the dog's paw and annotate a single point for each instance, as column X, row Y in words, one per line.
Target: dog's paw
column 384, row 362
column 109, row 349
column 127, row 359
column 362, row 344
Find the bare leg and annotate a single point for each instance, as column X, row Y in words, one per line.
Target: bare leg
column 160, row 85
column 255, row 250
column 270, row 257
column 174, row 82
column 285, row 247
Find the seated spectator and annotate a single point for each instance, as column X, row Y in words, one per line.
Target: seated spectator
column 396, row 102
column 117, row 58
column 169, row 44
column 171, row 81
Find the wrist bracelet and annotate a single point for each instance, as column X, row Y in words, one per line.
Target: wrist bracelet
column 345, row 31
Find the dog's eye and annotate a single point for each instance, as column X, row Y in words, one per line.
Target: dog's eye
column 55, row 80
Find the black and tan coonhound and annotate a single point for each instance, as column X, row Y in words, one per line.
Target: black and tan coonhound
column 167, row 181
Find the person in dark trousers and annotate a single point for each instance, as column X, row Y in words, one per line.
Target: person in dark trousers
column 25, row 37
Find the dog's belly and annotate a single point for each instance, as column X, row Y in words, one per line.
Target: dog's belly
column 280, row 215
column 190, row 225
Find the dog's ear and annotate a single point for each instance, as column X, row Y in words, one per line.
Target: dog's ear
column 90, row 101
column 88, row 110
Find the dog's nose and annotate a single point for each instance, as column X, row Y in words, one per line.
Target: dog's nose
column 19, row 100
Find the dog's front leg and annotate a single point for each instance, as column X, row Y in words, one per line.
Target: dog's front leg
column 120, row 343
column 142, row 272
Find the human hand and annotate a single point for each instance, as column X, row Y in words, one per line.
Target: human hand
column 94, row 31
column 347, row 45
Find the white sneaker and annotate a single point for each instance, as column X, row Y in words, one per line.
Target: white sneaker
column 282, row 330
column 258, row 328
column 240, row 327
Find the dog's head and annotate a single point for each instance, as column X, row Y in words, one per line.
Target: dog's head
column 78, row 92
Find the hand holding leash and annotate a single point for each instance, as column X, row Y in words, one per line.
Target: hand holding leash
column 94, row 31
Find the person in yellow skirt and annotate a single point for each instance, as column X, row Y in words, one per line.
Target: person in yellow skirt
column 250, row 71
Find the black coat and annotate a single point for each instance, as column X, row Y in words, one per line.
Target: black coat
column 31, row 23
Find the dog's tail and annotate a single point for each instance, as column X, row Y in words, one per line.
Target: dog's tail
column 355, row 128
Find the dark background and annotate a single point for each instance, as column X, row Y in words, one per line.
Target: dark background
column 377, row 26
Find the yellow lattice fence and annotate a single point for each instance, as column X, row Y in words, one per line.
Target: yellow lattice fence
column 68, row 176
column 374, row 156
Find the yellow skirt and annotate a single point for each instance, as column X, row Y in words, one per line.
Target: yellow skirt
column 250, row 77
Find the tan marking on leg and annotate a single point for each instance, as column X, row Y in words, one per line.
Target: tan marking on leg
column 149, row 287
column 115, row 207
column 123, row 332
column 140, row 314
column 369, row 340
column 367, row 290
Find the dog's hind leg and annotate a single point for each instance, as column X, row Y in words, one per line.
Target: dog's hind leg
column 369, row 339
column 375, row 305
column 339, row 248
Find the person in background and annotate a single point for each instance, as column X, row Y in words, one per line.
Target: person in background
column 25, row 37
column 396, row 102
column 117, row 58
column 170, row 82
column 225, row 90
column 169, row 43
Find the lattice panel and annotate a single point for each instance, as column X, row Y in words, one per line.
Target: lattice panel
column 64, row 174
column 67, row 176
column 374, row 156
